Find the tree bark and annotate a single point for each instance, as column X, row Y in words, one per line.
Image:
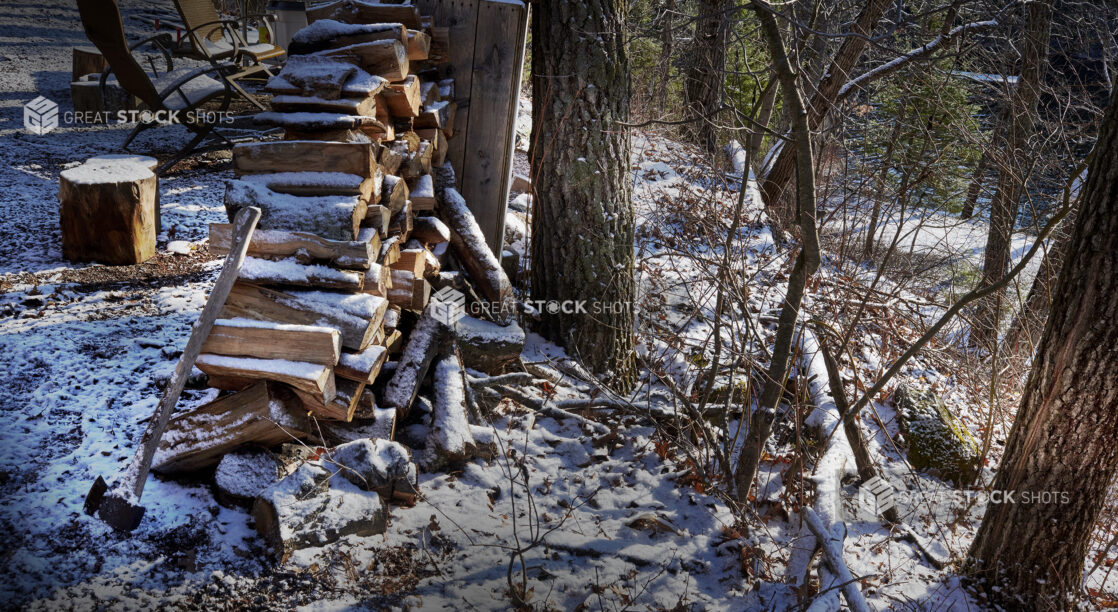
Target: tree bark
column 1062, row 440
column 706, row 80
column 582, row 222
column 1011, row 179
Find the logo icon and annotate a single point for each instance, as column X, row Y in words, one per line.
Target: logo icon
column 40, row 115
column 449, row 305
column 878, row 491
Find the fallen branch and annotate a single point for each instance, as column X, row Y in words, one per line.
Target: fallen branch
column 832, row 552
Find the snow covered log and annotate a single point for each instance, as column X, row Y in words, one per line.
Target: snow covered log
column 304, row 156
column 394, row 193
column 304, row 122
column 329, row 34
column 348, row 105
column 486, row 346
column 363, row 11
column 426, row 341
column 329, row 217
column 400, row 223
column 311, row 379
column 419, row 45
column 107, row 212
column 832, row 552
column 473, row 253
column 449, row 441
column 387, row 59
column 422, row 193
column 292, row 273
column 311, row 508
column 303, row 246
column 264, row 414
column 243, row 474
column 356, row 319
column 362, row 366
column 340, row 407
column 430, row 230
column 374, row 465
column 378, row 280
column 409, row 291
column 271, row 340
column 403, row 99
column 326, row 77
column 418, row 162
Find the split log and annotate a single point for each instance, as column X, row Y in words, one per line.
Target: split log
column 378, row 222
column 410, row 261
column 313, row 379
column 378, row 280
column 429, row 92
column 320, row 183
column 450, row 441
column 473, row 253
column 390, row 160
column 395, row 342
column 422, row 193
column 362, row 11
column 316, row 104
column 426, row 341
column 327, row 77
column 403, row 99
column 409, row 291
column 270, row 340
column 362, row 366
column 387, row 59
column 243, row 474
column 419, row 45
column 521, row 183
column 341, row 407
column 329, row 34
column 430, row 230
column 345, row 136
column 265, row 414
column 107, row 212
column 394, row 193
column 292, row 273
column 304, row 247
column 486, row 346
column 356, row 317
column 446, row 89
column 400, row 223
column 329, row 217
column 304, row 156
column 439, row 144
column 389, row 251
column 418, row 163
column 314, row 122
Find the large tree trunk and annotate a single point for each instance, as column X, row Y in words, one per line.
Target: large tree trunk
column 1063, row 439
column 582, row 222
column 1011, row 178
column 705, row 80
column 778, row 176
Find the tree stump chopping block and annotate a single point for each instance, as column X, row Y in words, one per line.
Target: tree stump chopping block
column 107, row 212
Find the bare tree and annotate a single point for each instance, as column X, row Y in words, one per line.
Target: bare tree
column 1061, row 457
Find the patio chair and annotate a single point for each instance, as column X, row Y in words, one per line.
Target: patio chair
column 183, row 90
column 209, row 37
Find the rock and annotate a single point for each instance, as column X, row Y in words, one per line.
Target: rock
column 488, row 347
column 243, row 474
column 373, row 465
column 936, row 438
column 309, row 508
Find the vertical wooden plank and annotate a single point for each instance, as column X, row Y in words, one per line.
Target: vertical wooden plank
column 461, row 17
column 494, row 96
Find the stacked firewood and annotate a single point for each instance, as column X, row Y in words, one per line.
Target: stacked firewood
column 330, row 332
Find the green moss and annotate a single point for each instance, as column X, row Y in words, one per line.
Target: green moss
column 936, row 438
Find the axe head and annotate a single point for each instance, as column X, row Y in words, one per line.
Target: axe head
column 119, row 513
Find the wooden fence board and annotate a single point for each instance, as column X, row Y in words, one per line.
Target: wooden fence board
column 494, row 99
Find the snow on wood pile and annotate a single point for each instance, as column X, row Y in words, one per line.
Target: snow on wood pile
column 332, row 323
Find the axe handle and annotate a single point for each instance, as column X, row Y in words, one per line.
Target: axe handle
column 137, row 472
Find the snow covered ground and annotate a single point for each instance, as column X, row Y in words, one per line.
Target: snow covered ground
column 575, row 516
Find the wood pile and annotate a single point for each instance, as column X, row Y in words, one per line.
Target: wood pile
column 331, row 333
